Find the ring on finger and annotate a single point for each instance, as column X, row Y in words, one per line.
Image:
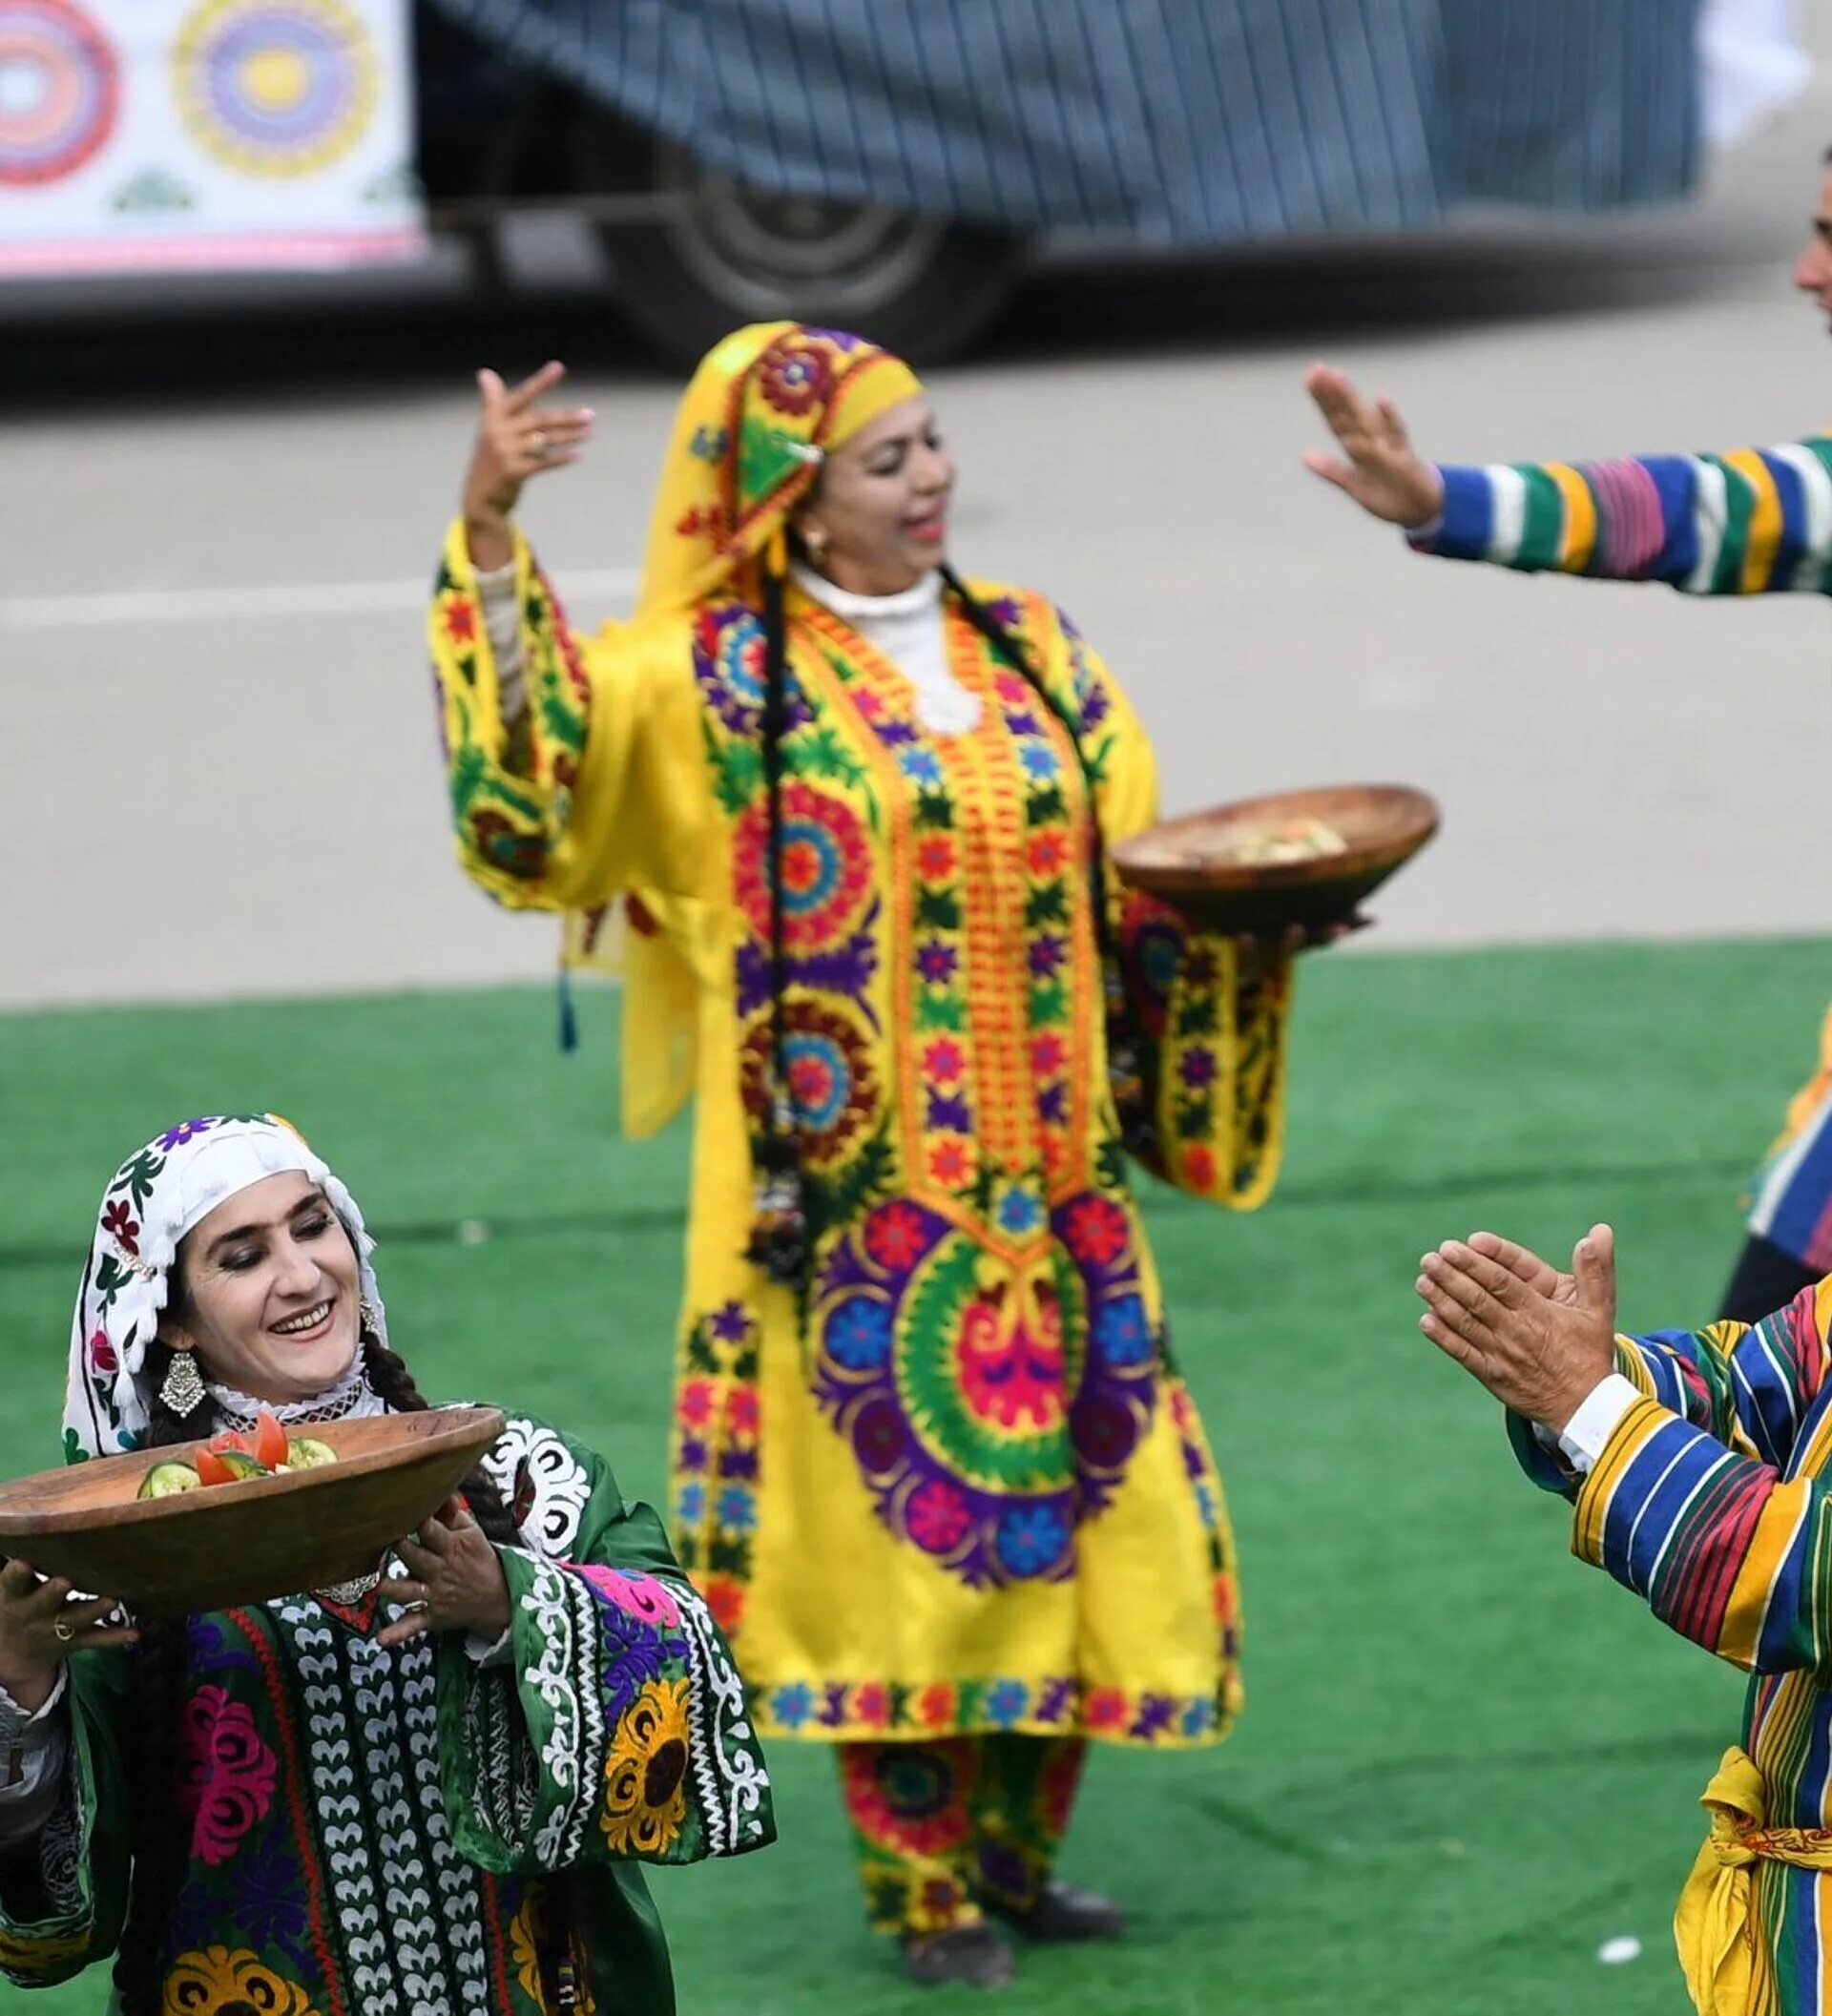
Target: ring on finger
column 537, row 444
column 417, row 1608
column 64, row 1634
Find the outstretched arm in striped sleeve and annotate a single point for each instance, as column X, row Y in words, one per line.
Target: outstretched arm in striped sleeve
column 1755, row 521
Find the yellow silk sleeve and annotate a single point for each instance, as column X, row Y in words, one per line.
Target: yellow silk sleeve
column 1206, row 1019
column 600, row 785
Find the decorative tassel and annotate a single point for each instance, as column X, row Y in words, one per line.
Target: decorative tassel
column 569, row 1016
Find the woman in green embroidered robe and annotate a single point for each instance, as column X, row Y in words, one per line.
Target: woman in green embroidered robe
column 425, row 1795
column 860, row 811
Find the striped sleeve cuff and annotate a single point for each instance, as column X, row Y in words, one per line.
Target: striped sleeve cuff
column 1464, row 529
column 1708, row 1537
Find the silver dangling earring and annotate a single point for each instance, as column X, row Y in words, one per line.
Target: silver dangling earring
column 183, row 1390
column 816, row 543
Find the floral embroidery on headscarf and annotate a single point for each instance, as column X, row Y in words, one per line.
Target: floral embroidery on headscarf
column 155, row 1197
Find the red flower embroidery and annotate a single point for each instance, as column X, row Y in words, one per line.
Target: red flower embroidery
column 741, row 1410
column 894, row 1235
column 936, row 858
column 102, row 1355
column 938, row 1517
column 794, row 377
column 725, row 1599
column 1048, row 1055
column 871, row 1705
column 948, row 1163
column 696, row 1404
column 461, row 620
column 944, row 1061
column 1105, row 1709
column 1046, row 853
column 1096, row 1231
column 1198, row 1167
column 117, row 1221
column 935, row 1705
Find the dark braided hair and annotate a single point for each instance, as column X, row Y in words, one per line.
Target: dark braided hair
column 160, row 1852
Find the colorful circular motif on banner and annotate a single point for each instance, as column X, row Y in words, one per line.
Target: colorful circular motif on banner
column 275, row 86
column 59, row 90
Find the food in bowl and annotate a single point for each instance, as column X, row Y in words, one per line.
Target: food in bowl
column 231, row 1458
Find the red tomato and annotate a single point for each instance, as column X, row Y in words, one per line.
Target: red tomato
column 210, row 1467
column 270, row 1439
column 230, row 1439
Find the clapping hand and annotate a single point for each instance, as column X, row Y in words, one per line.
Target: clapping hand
column 1540, row 1340
column 1381, row 472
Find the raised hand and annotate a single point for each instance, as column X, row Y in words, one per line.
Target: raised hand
column 518, row 438
column 40, row 1627
column 1381, row 472
column 1512, row 1323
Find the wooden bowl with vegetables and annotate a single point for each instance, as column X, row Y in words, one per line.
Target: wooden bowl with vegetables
column 1303, row 857
column 204, row 1525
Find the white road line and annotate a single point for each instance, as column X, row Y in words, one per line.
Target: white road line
column 284, row 598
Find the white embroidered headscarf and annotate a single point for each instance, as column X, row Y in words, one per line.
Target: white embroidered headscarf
column 153, row 1200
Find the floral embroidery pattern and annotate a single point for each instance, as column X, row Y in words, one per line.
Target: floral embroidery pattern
column 645, row 1774
column 1057, row 1706
column 219, row 1981
column 226, row 1774
column 954, row 1387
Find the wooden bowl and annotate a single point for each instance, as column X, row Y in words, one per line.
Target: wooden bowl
column 230, row 1544
column 1200, row 864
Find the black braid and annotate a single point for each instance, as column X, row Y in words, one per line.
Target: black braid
column 780, row 1238
column 392, row 1384
column 159, row 1850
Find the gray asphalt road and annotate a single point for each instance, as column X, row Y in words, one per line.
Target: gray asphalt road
column 219, row 751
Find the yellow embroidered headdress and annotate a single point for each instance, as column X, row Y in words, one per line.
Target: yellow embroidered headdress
column 759, row 417
column 763, row 411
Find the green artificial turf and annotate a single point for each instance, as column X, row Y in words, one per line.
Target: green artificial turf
column 1466, row 1763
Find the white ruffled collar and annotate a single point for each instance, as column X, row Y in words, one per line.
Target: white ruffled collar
column 916, row 601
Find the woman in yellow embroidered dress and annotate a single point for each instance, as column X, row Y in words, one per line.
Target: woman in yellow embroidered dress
column 932, row 1462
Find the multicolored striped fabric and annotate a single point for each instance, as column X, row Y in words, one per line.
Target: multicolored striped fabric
column 1755, row 521
column 1181, row 121
column 1710, row 1502
column 1793, row 1202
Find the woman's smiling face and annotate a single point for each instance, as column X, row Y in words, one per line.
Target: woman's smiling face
column 272, row 1293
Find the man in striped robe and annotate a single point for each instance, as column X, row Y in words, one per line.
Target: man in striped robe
column 1748, row 523
column 1699, row 1467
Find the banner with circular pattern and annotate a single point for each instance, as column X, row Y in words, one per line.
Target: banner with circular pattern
column 147, row 135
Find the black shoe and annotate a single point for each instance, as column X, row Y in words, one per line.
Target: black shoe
column 1062, row 1914
column 975, row 1956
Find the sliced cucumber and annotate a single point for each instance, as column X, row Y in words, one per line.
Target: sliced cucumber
column 306, row 1452
column 240, row 1465
column 165, row 1480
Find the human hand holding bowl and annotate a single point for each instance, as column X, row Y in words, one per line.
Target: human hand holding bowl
column 40, row 1627
column 1539, row 1341
column 454, row 1580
